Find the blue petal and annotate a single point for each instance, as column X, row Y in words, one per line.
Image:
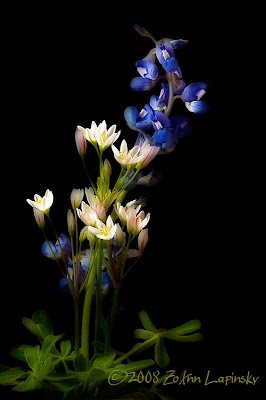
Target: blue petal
column 150, row 70
column 64, row 285
column 179, row 43
column 171, row 65
column 48, row 250
column 65, row 245
column 163, row 49
column 154, row 102
column 180, row 126
column 161, row 136
column 140, row 84
column 131, row 115
column 160, row 120
column 144, row 120
column 194, row 91
column 198, row 107
column 141, row 138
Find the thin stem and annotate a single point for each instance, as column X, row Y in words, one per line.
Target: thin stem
column 171, row 97
column 98, row 314
column 76, row 265
column 128, row 183
column 136, row 349
column 76, row 311
column 85, row 334
column 112, row 319
column 117, row 181
column 87, row 173
column 130, row 268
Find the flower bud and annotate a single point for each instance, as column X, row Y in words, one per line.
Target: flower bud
column 39, row 217
column 76, row 197
column 143, row 240
column 119, row 234
column 70, row 222
column 81, row 142
column 83, row 234
column 107, row 168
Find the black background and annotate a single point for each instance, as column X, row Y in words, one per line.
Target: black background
column 67, row 67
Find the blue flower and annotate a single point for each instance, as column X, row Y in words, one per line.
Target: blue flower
column 139, row 121
column 166, row 57
column 194, row 91
column 54, row 251
column 160, row 120
column 192, row 95
column 149, row 73
column 147, row 69
column 160, row 102
column 179, row 43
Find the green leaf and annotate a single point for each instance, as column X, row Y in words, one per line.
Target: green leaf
column 44, row 370
column 160, row 352
column 18, row 352
column 184, row 329
column 47, row 345
column 197, row 337
column 143, row 334
column 30, row 384
column 32, row 327
column 146, row 322
column 65, row 347
column 134, row 366
column 82, row 362
column 95, row 377
column 32, row 355
column 81, row 376
column 42, row 317
column 11, row 376
column 104, row 360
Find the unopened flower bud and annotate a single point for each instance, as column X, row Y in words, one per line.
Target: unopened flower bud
column 81, row 142
column 70, row 222
column 107, row 168
column 119, row 234
column 83, row 234
column 143, row 240
column 76, row 197
column 39, row 217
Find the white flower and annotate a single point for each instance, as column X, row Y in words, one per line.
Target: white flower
column 125, row 157
column 105, row 232
column 39, row 217
column 148, row 152
column 100, row 134
column 76, row 197
column 87, row 215
column 136, row 222
column 95, row 204
column 42, row 203
column 122, row 212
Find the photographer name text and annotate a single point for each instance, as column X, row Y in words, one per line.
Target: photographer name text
column 170, row 377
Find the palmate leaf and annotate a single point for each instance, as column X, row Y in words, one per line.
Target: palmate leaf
column 42, row 317
column 143, row 334
column 47, row 345
column 19, row 352
column 104, row 360
column 135, row 366
column 65, row 347
column 32, row 356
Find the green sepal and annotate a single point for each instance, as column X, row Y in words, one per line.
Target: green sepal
column 28, row 385
column 160, row 353
column 32, row 356
column 188, row 327
column 11, row 375
column 143, row 334
column 146, row 322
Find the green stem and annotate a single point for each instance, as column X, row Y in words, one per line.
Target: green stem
column 112, row 319
column 136, row 349
column 130, row 268
column 128, row 183
column 117, row 181
column 98, row 314
column 171, row 97
column 87, row 173
column 87, row 312
column 76, row 311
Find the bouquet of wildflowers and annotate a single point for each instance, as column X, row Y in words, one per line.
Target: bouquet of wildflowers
column 107, row 236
